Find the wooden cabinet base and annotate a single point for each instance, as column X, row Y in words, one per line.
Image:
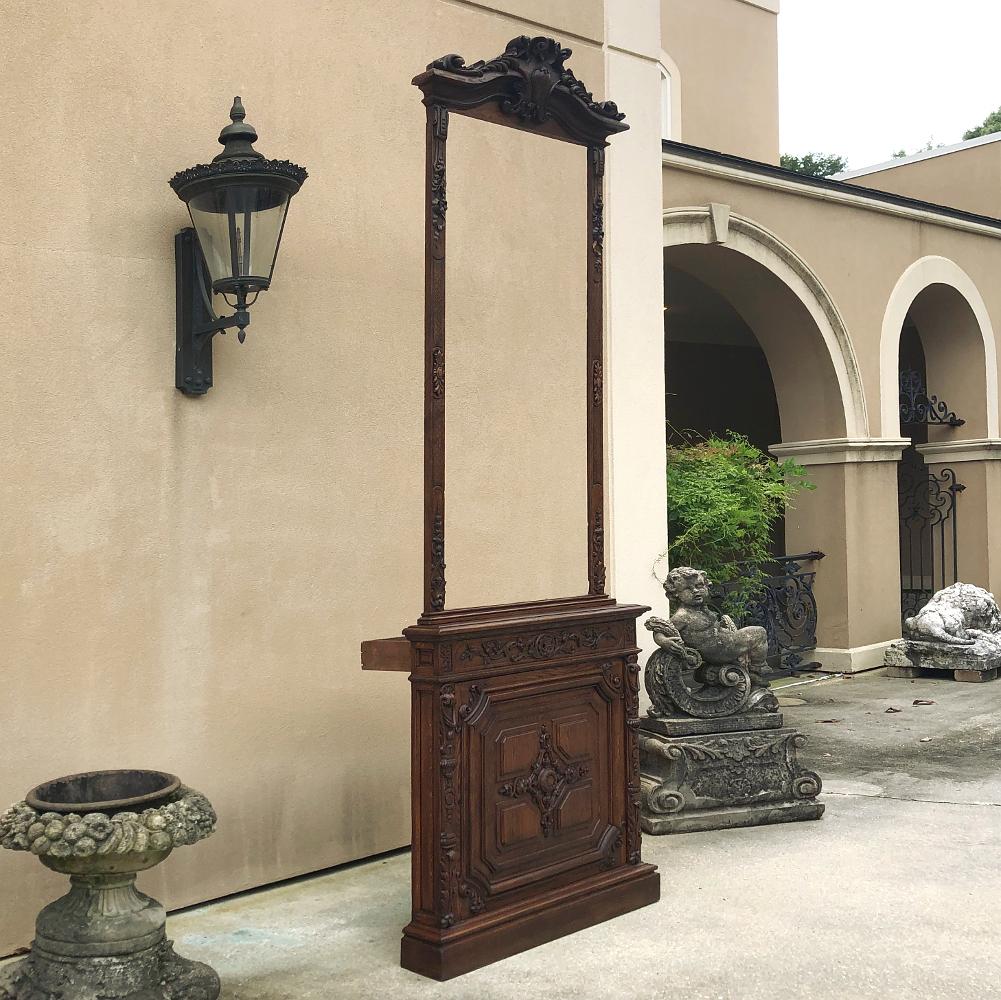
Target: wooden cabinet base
column 444, row 955
column 526, row 781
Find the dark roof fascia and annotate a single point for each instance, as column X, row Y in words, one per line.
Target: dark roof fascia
column 822, row 183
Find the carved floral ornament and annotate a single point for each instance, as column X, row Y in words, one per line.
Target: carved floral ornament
column 185, row 818
column 530, row 82
column 537, row 68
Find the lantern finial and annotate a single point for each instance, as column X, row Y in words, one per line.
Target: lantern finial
column 236, row 138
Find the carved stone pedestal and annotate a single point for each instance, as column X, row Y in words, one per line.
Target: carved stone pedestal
column 975, row 663
column 711, row 774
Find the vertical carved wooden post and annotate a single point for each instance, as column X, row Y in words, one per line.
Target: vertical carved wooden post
column 434, row 362
column 595, row 366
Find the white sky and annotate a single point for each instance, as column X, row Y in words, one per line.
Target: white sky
column 864, row 78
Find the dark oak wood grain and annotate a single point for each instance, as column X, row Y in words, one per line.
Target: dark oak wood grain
column 525, row 762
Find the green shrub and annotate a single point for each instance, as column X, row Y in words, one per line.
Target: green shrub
column 723, row 496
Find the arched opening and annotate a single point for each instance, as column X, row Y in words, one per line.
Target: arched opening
column 704, row 333
column 729, row 296
column 753, row 344
column 941, row 376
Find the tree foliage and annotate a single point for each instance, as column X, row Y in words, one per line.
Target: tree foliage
column 723, row 497
column 991, row 124
column 815, row 164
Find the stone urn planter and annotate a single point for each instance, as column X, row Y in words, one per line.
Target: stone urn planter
column 104, row 940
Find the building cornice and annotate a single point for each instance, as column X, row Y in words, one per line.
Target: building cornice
column 723, row 166
column 972, row 450
column 841, row 451
column 769, row 5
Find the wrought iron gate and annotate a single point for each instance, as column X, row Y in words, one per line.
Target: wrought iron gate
column 929, row 553
column 785, row 606
column 929, row 530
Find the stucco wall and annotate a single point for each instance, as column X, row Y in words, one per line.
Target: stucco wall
column 968, row 179
column 727, row 53
column 186, row 581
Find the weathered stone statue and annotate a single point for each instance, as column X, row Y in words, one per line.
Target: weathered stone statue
column 713, row 752
column 726, row 662
column 958, row 631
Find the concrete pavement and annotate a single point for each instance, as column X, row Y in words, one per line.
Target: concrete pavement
column 895, row 893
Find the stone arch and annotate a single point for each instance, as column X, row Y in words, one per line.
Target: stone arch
column 758, row 250
column 922, row 277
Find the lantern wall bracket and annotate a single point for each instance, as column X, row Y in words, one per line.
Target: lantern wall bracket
column 197, row 322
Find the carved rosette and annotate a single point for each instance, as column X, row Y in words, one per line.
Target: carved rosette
column 438, row 372
column 547, row 782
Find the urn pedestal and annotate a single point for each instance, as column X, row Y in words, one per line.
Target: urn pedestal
column 105, row 940
column 712, row 774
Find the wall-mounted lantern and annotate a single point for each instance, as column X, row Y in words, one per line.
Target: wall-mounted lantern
column 238, row 204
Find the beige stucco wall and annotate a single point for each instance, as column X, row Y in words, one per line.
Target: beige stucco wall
column 727, row 54
column 186, row 581
column 968, row 179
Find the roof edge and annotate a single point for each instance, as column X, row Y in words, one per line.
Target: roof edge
column 761, row 169
column 925, row 154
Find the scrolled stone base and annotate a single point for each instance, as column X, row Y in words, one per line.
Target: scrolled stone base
column 161, row 975
column 731, row 819
column 715, row 781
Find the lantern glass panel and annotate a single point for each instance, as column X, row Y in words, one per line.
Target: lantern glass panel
column 239, row 227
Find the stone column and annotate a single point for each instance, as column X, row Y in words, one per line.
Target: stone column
column 637, row 493
column 977, row 464
column 852, row 518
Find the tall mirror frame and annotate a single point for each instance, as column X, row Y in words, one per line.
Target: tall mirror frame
column 525, row 762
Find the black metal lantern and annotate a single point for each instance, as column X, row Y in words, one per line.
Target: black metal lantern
column 238, row 204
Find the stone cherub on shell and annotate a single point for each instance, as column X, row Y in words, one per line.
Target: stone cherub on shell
column 710, row 644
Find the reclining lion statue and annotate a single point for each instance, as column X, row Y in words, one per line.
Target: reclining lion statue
column 959, row 616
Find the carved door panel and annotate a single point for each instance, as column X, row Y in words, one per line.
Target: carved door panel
column 544, row 774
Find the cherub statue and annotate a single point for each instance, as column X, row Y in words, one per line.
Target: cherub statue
column 728, row 662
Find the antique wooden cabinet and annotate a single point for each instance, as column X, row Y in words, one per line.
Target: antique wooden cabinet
column 525, row 771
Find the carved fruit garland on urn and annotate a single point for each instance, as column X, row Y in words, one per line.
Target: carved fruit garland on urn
column 104, row 939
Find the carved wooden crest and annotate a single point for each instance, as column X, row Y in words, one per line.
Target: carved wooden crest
column 530, row 84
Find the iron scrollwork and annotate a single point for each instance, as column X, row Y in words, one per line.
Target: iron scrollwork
column 917, row 407
column 784, row 605
column 928, row 519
